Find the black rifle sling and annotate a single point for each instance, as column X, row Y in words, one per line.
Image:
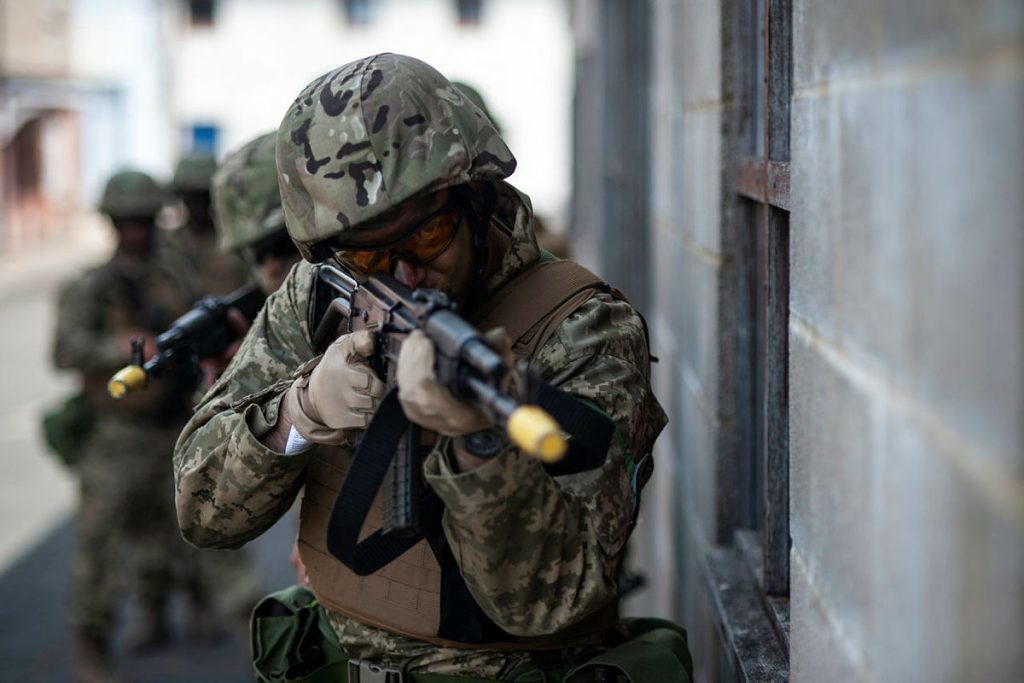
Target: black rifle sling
column 364, row 478
column 590, row 435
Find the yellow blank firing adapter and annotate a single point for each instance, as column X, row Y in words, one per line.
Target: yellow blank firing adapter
column 536, row 433
column 129, row 378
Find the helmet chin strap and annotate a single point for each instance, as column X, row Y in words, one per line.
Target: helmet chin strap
column 480, row 223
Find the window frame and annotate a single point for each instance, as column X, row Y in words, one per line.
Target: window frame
column 761, row 181
column 748, row 570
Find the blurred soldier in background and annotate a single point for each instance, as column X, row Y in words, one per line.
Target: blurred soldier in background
column 218, row 272
column 226, row 581
column 124, row 465
column 247, row 206
column 249, row 223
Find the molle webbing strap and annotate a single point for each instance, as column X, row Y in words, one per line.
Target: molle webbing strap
column 533, row 305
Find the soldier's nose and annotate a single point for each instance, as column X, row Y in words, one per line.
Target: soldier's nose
column 409, row 274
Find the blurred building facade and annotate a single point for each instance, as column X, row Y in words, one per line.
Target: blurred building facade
column 88, row 87
column 38, row 128
column 238, row 64
column 819, row 207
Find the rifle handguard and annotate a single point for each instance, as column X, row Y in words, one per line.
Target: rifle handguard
column 536, row 433
column 127, row 379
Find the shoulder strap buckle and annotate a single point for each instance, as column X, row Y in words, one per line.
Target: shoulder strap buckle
column 362, row 671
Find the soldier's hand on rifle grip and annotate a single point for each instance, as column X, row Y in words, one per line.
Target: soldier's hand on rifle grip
column 336, row 392
column 424, row 400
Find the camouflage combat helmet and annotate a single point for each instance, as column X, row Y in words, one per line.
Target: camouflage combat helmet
column 371, row 134
column 194, row 172
column 131, row 194
column 246, row 200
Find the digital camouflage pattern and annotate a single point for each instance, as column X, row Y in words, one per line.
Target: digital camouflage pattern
column 131, row 194
column 194, row 173
column 246, row 200
column 354, row 145
column 538, row 553
column 124, row 471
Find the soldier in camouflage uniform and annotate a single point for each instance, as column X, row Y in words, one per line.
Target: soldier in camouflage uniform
column 249, row 218
column 385, row 166
column 250, row 224
column 124, row 471
column 216, row 271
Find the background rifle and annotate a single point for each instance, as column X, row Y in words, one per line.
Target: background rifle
column 202, row 332
column 464, row 364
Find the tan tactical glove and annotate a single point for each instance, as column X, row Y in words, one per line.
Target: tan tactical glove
column 429, row 404
column 337, row 392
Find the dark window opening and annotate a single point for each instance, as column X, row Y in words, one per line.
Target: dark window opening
column 753, row 535
column 201, row 12
column 470, row 11
column 27, row 155
column 202, row 138
column 357, row 12
column 762, row 183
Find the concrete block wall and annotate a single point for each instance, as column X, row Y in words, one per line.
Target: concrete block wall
column 906, row 330
column 906, row 334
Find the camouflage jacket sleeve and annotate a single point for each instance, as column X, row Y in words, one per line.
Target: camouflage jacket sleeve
column 540, row 553
column 81, row 340
column 229, row 486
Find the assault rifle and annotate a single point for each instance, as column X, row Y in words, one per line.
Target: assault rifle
column 202, row 332
column 464, row 364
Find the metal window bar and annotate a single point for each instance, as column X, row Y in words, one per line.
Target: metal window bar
column 762, row 179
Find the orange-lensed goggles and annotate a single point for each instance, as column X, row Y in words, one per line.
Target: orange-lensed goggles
column 424, row 244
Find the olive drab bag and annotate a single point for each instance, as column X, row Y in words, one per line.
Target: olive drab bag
column 292, row 641
column 67, row 425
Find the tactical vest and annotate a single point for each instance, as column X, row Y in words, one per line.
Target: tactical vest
column 421, row 594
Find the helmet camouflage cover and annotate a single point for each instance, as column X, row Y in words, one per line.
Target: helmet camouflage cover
column 246, row 201
column 194, row 172
column 131, row 194
column 371, row 134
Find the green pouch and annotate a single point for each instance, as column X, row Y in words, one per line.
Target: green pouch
column 654, row 650
column 291, row 641
column 67, row 425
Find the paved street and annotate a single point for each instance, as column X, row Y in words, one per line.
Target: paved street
column 37, row 497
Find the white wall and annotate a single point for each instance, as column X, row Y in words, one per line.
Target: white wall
column 242, row 72
column 119, row 63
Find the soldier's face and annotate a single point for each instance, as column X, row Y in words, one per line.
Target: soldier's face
column 271, row 258
column 135, row 235
column 197, row 205
column 429, row 245
column 449, row 271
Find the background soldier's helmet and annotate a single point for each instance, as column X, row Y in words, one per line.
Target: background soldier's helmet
column 194, row 173
column 131, row 194
column 476, row 98
column 246, row 201
column 371, row 134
